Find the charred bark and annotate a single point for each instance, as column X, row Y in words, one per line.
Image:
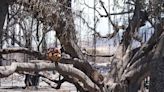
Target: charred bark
column 3, row 13
column 157, row 73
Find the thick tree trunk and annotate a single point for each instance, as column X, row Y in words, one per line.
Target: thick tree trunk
column 66, row 31
column 30, row 80
column 3, row 12
column 157, row 72
column 157, row 76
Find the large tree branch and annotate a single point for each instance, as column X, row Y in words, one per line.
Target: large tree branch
column 142, row 66
column 79, row 64
column 61, row 68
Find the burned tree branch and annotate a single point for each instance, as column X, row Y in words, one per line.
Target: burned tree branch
column 61, row 68
column 77, row 63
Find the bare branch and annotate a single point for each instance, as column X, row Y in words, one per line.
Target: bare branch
column 119, row 13
column 22, row 50
column 50, row 80
column 99, row 55
column 107, row 15
column 102, row 4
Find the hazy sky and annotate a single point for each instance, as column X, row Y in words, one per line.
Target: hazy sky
column 103, row 25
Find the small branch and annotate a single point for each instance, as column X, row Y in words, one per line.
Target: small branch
column 87, row 24
column 50, row 80
column 22, row 50
column 102, row 4
column 130, row 3
column 101, row 15
column 99, row 55
column 92, row 8
column 50, row 83
column 119, row 13
column 115, row 27
column 14, row 38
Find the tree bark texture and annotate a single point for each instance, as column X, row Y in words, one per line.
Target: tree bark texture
column 3, row 13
